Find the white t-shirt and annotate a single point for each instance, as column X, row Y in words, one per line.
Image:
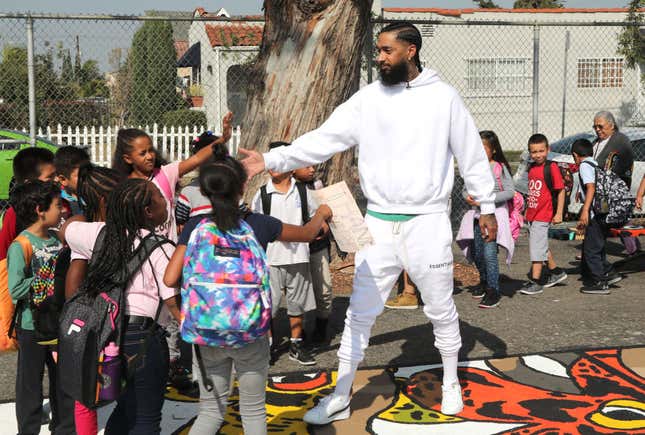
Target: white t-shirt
column 286, row 207
column 142, row 295
column 599, row 147
column 588, row 175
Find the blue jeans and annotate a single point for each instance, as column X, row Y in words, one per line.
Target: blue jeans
column 485, row 255
column 138, row 410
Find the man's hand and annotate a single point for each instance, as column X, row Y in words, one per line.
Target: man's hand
column 471, row 201
column 639, row 202
column 557, row 219
column 488, row 227
column 253, row 161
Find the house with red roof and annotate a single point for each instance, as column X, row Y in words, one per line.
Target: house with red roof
column 220, row 49
column 486, row 54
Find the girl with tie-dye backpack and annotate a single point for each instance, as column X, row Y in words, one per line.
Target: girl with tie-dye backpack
column 226, row 299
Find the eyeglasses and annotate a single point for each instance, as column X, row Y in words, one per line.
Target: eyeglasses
column 598, row 127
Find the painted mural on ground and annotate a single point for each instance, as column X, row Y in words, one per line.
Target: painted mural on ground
column 581, row 392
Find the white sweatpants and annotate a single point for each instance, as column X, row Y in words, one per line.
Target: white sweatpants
column 421, row 247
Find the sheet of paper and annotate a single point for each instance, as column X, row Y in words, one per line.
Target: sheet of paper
column 347, row 225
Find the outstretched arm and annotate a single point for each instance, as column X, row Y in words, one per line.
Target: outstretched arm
column 337, row 134
column 308, row 232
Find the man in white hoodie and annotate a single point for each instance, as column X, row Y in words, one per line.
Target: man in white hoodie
column 408, row 125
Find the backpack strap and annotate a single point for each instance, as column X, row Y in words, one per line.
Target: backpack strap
column 206, row 380
column 498, row 170
column 304, row 204
column 27, row 251
column 266, row 200
column 145, row 249
column 548, row 180
column 164, row 184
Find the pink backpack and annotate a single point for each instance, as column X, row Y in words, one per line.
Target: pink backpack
column 515, row 205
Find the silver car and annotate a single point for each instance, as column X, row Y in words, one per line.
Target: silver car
column 560, row 151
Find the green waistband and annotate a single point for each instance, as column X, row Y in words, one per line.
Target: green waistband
column 391, row 217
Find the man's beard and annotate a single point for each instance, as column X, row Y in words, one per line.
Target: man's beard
column 396, row 74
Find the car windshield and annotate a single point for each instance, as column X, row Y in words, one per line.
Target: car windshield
column 563, row 146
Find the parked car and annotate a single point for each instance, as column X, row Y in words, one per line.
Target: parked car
column 9, row 150
column 560, row 151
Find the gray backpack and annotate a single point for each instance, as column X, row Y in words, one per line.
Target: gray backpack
column 612, row 198
column 88, row 323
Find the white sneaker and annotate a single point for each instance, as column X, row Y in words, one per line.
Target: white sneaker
column 451, row 403
column 330, row 408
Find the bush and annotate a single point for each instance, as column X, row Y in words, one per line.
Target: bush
column 183, row 118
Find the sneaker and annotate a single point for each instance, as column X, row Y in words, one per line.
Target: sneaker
column 330, row 408
column 531, row 288
column 403, row 301
column 613, row 278
column 491, row 300
column 597, row 288
column 479, row 292
column 180, row 377
column 555, row 278
column 451, row 403
column 299, row 354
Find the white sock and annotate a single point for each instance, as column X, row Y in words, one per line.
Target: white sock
column 346, row 374
column 450, row 368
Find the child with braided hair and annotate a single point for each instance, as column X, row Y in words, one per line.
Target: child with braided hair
column 93, row 186
column 134, row 209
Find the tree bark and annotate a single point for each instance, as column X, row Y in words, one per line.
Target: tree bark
column 309, row 63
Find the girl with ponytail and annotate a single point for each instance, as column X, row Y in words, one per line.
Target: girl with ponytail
column 222, row 181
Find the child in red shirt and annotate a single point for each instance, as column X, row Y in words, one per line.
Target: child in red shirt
column 542, row 210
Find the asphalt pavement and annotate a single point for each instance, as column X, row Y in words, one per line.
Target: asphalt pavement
column 561, row 318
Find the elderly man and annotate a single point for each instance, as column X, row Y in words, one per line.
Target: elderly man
column 615, row 146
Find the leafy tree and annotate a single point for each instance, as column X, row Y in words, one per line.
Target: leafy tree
column 154, row 73
column 486, row 4
column 538, row 4
column 67, row 69
column 631, row 43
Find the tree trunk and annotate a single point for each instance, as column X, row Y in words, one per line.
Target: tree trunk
column 309, row 63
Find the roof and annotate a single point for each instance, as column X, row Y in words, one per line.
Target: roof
column 180, row 48
column 459, row 12
column 201, row 13
column 236, row 35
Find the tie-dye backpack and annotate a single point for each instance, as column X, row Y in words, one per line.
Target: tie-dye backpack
column 226, row 297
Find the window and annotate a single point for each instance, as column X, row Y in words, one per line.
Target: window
column 600, row 73
column 499, row 76
column 237, row 82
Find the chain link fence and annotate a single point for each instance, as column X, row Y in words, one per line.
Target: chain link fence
column 176, row 74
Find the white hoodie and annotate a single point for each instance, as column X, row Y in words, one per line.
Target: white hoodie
column 408, row 135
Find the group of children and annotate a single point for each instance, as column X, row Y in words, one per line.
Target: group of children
column 102, row 215
column 544, row 207
column 107, row 212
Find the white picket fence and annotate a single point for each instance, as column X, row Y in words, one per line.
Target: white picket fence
column 173, row 142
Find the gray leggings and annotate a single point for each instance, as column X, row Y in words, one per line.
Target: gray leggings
column 252, row 367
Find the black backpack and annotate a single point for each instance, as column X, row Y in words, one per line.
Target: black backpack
column 47, row 296
column 88, row 323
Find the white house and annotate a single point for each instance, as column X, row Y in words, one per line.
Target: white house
column 579, row 69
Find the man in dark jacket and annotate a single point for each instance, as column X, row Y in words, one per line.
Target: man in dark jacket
column 613, row 150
